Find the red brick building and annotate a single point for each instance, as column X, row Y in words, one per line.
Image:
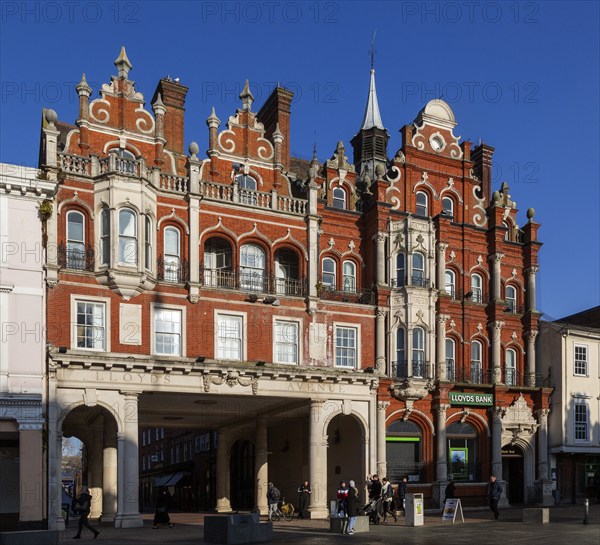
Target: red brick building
column 295, row 307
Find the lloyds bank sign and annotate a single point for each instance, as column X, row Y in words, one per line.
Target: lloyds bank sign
column 462, row 398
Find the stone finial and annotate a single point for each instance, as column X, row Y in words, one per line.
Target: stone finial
column 51, row 117
column 194, row 149
column 367, row 179
column 379, row 171
column 158, row 107
column 83, row 88
column 504, row 188
column 246, row 96
column 213, row 120
column 530, row 214
column 340, row 147
column 496, row 199
column 277, row 134
column 122, row 63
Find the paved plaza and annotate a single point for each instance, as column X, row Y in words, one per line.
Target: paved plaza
column 566, row 526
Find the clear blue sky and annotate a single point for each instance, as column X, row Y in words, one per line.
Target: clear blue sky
column 522, row 76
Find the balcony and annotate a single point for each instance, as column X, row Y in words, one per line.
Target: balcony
column 255, row 282
column 419, row 369
column 417, row 281
column 77, row 259
column 361, row 297
column 173, row 271
column 450, row 370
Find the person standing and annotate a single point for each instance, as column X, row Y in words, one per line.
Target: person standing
column 374, row 486
column 83, row 504
column 494, row 494
column 353, row 506
column 342, row 496
column 273, row 496
column 387, row 492
column 449, row 492
column 161, row 515
column 304, row 491
column 402, row 494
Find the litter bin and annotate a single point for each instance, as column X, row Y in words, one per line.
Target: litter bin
column 415, row 512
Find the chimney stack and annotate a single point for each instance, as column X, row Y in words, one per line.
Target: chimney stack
column 173, row 98
column 276, row 111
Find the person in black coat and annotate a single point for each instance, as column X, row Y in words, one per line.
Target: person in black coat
column 449, row 492
column 161, row 515
column 304, row 492
column 82, row 505
column 353, row 506
column 494, row 495
column 402, row 494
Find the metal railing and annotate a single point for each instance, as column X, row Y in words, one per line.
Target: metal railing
column 418, row 369
column 78, row 259
column 254, row 282
column 172, row 271
column 362, row 297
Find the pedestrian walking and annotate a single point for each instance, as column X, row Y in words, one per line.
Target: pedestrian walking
column 161, row 515
column 82, row 507
column 304, row 492
column 353, row 507
column 273, row 496
column 494, row 494
column 387, row 493
column 374, row 487
column 402, row 494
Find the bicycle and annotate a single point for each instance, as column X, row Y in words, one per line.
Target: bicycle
column 284, row 511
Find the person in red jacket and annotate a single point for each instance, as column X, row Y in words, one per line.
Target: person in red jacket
column 342, row 496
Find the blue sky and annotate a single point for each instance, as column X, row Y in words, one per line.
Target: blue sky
column 521, row 76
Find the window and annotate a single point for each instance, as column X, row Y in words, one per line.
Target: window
column 286, row 272
column 75, row 241
column 507, row 233
column 328, row 273
column 247, row 188
column 105, row 235
column 418, row 270
column 450, row 359
column 229, row 337
column 581, row 421
column 422, row 208
column 462, row 452
column 172, row 272
column 345, row 347
column 448, row 207
column 286, row 342
column 400, row 270
column 91, row 325
column 403, row 451
column 450, row 282
column 148, row 243
column 167, row 332
column 511, row 299
column 510, row 368
column 252, row 267
column 401, row 370
column 476, row 284
column 127, row 237
column 581, row 360
column 418, row 352
column 476, row 364
column 339, row 198
column 217, row 264
column 349, row 278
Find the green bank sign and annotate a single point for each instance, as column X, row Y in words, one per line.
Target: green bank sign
column 461, row 398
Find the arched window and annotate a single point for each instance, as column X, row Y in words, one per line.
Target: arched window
column 422, row 207
column 418, row 270
column 462, row 452
column 450, row 282
column 349, row 276
column 105, row 235
column 507, row 233
column 339, row 198
column 476, row 363
column 148, row 243
column 75, row 240
column 476, row 288
column 404, row 451
column 286, row 272
column 252, row 267
column 418, row 352
column 448, row 207
column 217, row 264
column 328, row 273
column 247, row 188
column 127, row 237
column 400, row 270
column 172, row 258
column 511, row 299
column 450, row 359
column 510, row 367
column 401, row 368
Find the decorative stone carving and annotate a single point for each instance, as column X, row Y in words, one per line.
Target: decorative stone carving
column 518, row 422
column 232, row 378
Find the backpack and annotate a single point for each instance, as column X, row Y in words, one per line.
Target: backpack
column 275, row 494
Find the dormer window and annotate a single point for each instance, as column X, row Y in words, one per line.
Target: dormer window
column 339, row 198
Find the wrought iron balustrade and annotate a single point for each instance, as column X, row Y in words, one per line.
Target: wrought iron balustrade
column 76, row 258
column 171, row 270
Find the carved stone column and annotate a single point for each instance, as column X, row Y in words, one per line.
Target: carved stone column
column 496, row 330
column 313, row 239
column 497, row 413
column 381, row 444
column 496, row 260
column 222, row 485
column 442, row 456
column 530, row 336
column 317, row 461
column 531, row 274
column 544, row 483
column 109, row 472
column 380, row 358
column 441, row 266
column 440, row 367
column 262, row 466
column 380, row 271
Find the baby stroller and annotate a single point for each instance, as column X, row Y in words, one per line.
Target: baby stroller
column 374, row 510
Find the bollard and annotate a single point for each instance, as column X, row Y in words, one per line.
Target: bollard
column 587, row 511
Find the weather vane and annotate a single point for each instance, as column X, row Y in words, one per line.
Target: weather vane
column 373, row 50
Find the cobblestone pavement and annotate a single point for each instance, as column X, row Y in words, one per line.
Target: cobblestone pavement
column 566, row 527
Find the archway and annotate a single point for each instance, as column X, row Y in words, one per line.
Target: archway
column 242, row 475
column 513, row 473
column 345, row 453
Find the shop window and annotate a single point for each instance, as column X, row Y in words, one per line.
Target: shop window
column 463, row 462
column 404, row 451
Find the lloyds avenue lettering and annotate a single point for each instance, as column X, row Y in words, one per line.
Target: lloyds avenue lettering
column 461, row 398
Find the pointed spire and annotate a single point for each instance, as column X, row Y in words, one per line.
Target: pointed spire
column 277, row 134
column 83, row 88
column 158, row 106
column 213, row 120
column 372, row 116
column 122, row 63
column 246, row 96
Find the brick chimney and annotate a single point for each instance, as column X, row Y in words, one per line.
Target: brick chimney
column 482, row 167
column 276, row 110
column 173, row 97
